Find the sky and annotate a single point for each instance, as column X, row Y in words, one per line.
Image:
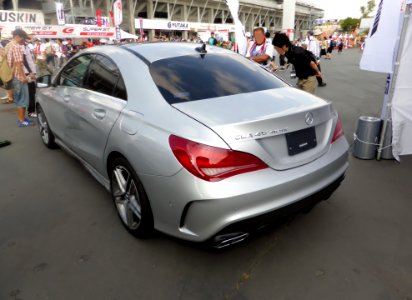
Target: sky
column 340, row 9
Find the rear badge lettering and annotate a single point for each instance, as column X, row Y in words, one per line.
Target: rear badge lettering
column 260, row 134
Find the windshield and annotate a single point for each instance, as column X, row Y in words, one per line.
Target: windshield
column 196, row 77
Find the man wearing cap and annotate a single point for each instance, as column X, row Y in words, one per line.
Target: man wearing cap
column 30, row 71
column 15, row 60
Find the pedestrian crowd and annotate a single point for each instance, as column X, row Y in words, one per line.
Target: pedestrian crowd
column 24, row 58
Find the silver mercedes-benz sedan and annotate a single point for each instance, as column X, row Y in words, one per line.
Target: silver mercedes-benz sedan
column 201, row 144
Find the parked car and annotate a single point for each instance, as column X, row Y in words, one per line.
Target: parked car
column 199, row 143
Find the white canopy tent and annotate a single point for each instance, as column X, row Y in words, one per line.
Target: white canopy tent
column 392, row 27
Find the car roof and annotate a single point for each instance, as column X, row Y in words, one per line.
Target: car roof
column 152, row 52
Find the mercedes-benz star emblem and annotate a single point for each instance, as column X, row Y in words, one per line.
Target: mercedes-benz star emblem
column 309, row 118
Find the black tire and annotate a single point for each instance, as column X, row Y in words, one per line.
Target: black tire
column 130, row 199
column 46, row 134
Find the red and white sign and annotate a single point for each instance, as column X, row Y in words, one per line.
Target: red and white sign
column 65, row 31
column 117, row 12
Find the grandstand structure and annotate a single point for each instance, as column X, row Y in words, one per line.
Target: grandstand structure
column 253, row 13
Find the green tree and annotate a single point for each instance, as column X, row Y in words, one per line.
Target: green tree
column 349, row 24
column 368, row 9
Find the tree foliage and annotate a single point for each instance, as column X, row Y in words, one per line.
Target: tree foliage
column 349, row 24
column 368, row 9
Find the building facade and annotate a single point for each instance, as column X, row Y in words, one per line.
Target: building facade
column 253, row 13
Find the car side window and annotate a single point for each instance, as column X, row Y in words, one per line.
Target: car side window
column 104, row 77
column 75, row 71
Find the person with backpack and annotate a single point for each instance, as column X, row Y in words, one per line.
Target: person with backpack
column 304, row 62
column 15, row 60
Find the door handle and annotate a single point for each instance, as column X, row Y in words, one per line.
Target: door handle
column 99, row 113
column 66, row 98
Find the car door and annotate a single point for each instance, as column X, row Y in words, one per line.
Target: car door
column 68, row 84
column 96, row 111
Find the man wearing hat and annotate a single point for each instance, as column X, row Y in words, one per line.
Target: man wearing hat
column 15, row 60
column 313, row 45
column 30, row 71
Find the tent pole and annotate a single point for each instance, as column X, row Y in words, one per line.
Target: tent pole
column 386, row 111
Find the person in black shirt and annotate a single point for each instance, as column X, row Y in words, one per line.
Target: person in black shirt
column 303, row 61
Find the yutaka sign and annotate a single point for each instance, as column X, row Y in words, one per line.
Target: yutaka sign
column 181, row 26
column 7, row 16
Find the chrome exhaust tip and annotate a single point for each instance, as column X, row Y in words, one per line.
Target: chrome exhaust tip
column 225, row 240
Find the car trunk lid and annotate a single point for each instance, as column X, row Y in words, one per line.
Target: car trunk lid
column 284, row 127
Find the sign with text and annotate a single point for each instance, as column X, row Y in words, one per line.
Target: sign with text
column 181, row 26
column 62, row 31
column 22, row 17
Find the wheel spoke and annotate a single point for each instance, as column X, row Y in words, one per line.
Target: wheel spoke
column 121, row 182
column 135, row 207
column 129, row 220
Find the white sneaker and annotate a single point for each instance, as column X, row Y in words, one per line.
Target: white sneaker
column 33, row 115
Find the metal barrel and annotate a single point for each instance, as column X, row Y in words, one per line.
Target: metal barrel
column 367, row 137
column 387, row 142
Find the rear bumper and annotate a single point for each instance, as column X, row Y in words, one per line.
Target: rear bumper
column 245, row 227
column 192, row 209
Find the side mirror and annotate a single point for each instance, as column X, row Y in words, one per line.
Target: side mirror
column 44, row 81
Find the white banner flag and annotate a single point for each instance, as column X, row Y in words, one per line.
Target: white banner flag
column 240, row 32
column 378, row 55
column 60, row 13
column 117, row 12
column 402, row 100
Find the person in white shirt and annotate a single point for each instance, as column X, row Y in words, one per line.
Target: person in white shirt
column 261, row 51
column 29, row 68
column 313, row 45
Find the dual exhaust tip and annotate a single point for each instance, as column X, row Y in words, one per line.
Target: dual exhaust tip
column 229, row 239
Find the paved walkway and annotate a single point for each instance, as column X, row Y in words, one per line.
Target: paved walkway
column 60, row 237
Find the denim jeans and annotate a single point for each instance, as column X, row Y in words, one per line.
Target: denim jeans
column 21, row 93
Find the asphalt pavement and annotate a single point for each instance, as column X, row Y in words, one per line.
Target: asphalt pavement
column 60, row 237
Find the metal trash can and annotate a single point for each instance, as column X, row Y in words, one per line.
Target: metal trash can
column 387, row 142
column 368, row 131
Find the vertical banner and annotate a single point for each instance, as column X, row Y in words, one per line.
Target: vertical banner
column 99, row 17
column 239, row 31
column 118, row 33
column 141, row 30
column 117, row 12
column 60, row 13
column 378, row 55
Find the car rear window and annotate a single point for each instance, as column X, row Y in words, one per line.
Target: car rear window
column 196, row 77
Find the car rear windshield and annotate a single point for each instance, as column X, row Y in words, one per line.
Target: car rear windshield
column 196, row 77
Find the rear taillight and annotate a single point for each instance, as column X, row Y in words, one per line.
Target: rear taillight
column 338, row 131
column 211, row 163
